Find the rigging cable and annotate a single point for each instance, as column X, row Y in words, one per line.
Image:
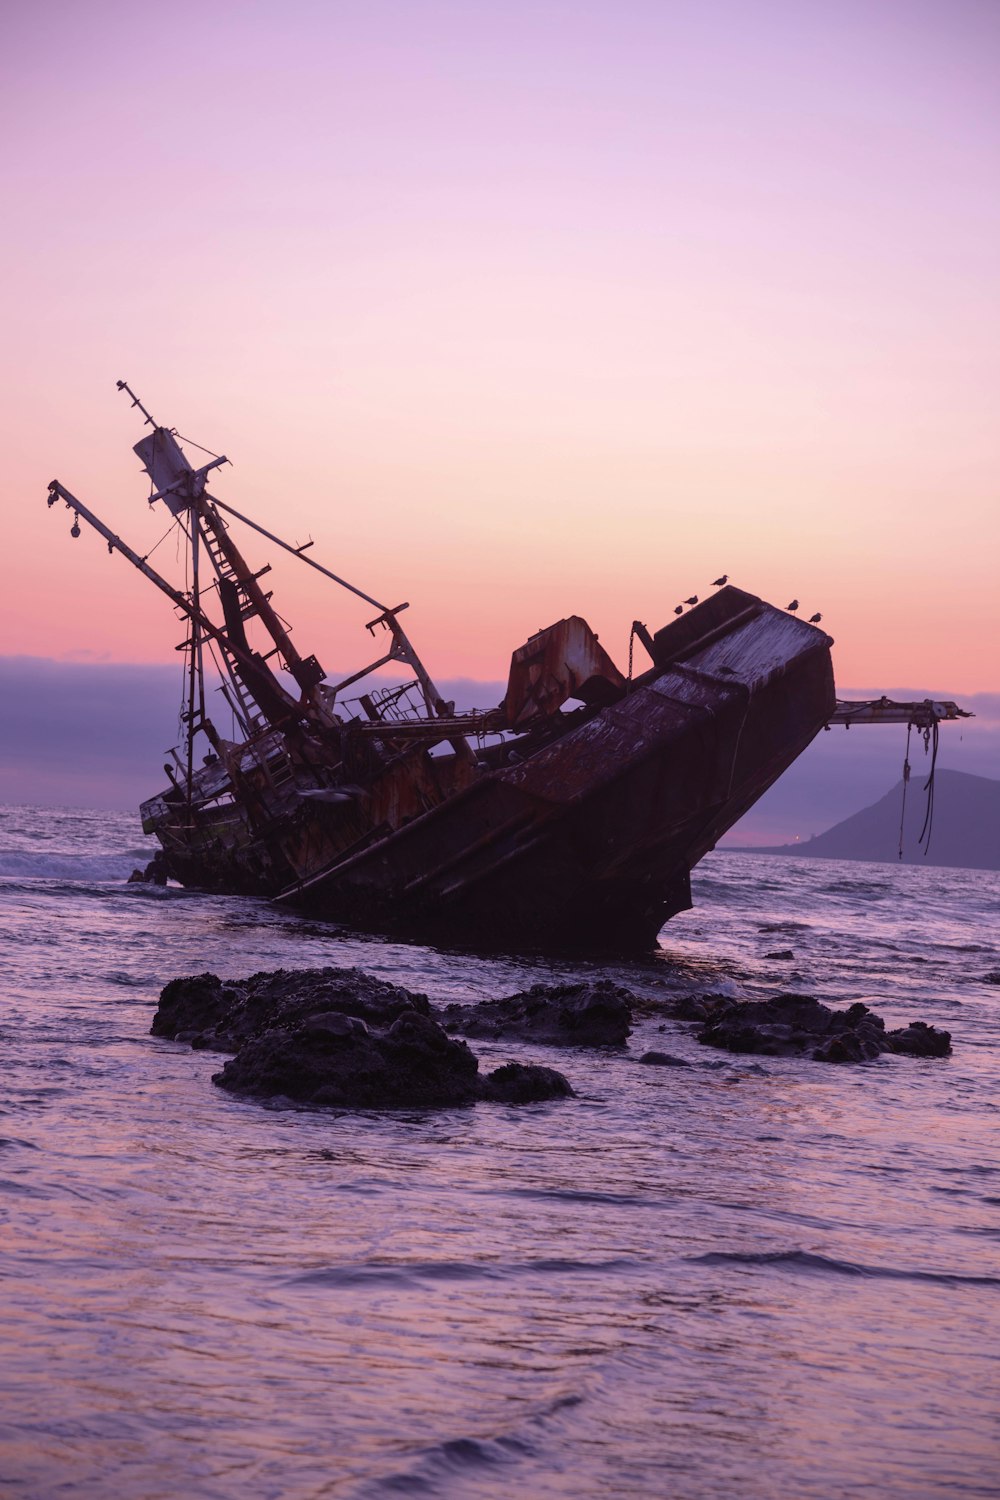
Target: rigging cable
column 931, row 743
column 163, row 538
column 181, row 439
column 906, row 782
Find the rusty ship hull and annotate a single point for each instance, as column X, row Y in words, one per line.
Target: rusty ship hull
column 588, row 843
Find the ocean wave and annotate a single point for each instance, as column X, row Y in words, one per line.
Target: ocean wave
column 450, row 1460
column 19, row 864
column 861, row 887
column 406, row 1273
column 578, row 1195
column 807, row 1260
column 456, row 1458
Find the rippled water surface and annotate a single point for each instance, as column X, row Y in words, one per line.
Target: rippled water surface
column 748, row 1277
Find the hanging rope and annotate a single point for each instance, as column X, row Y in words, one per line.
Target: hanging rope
column 906, row 782
column 631, row 647
column 930, row 738
column 930, row 742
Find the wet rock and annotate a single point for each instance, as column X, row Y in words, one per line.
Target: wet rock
column 525, row 1083
column 337, row 1037
column 335, row 1023
column 663, row 1060
column 797, row 1025
column 847, row 1047
column 192, row 1007
column 690, row 1008
column 412, row 1065
column 221, row 1015
column 993, row 977
column 701, row 1007
column 562, row 1015
column 920, row 1040
column 155, row 873
column 780, row 953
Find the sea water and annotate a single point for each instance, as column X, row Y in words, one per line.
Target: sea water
column 755, row 1277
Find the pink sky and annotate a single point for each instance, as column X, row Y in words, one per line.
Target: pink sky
column 519, row 310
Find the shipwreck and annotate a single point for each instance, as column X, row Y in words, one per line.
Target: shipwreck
column 568, row 816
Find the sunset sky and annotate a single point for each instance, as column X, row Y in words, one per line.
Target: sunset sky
column 520, row 310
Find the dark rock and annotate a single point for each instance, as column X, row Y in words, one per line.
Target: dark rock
column 794, row 1025
column 335, row 1023
column 221, row 1015
column 155, row 873
column 525, row 1083
column 562, row 1015
column 844, row 1048
column 691, row 1008
column 413, row 1065
column 920, row 1040
column 337, row 1037
column 193, row 1006
column 701, row 1007
column 993, row 977
column 663, row 1060
column 780, row 953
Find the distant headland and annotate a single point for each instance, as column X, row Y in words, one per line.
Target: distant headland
column 965, row 831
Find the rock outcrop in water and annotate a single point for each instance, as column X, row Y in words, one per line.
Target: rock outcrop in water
column 561, row 1015
column 798, row 1025
column 920, row 1040
column 338, row 1037
column 221, row 1014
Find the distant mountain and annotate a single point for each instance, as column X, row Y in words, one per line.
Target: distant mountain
column 965, row 832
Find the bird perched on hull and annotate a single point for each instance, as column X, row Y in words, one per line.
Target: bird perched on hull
column 721, row 582
column 693, row 599
column 793, row 606
column 815, row 619
column 679, row 610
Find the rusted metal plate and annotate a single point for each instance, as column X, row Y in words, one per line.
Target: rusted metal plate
column 565, row 661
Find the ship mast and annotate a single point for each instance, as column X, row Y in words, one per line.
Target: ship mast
column 253, row 690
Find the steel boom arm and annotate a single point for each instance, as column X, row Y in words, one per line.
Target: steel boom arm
column 197, row 616
column 922, row 715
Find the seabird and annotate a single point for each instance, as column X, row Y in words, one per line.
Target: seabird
column 679, row 610
column 693, row 599
column 815, row 619
column 720, row 581
column 793, row 606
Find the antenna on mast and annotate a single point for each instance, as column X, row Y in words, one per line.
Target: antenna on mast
column 123, row 386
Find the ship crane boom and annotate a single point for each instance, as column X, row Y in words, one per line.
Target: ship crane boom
column 922, row 714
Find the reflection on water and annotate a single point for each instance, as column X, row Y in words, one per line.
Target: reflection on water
column 745, row 1277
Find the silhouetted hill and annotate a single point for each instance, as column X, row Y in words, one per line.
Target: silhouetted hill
column 966, row 829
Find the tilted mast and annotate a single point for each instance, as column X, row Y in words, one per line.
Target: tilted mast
column 253, row 691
